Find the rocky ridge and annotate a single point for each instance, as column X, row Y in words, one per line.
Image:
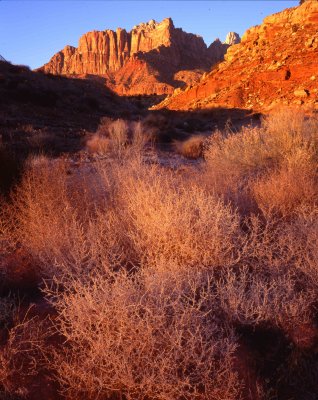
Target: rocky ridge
column 153, row 58
column 275, row 63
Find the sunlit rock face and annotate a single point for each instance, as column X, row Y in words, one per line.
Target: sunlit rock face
column 100, row 52
column 232, row 38
column 147, row 60
column 275, row 64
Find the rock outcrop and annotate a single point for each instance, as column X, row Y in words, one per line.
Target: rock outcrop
column 275, row 63
column 232, row 38
column 146, row 60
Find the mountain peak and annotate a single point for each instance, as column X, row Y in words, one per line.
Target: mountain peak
column 232, row 38
column 153, row 24
column 153, row 58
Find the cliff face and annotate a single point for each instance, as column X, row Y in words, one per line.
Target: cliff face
column 142, row 61
column 276, row 63
column 101, row 52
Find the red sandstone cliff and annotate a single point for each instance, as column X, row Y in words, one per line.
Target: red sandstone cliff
column 276, row 63
column 153, row 58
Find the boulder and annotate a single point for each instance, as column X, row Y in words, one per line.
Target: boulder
column 301, row 93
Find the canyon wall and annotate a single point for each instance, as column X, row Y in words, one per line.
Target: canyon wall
column 150, row 59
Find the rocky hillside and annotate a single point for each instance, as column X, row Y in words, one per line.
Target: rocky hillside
column 153, row 58
column 275, row 63
column 40, row 112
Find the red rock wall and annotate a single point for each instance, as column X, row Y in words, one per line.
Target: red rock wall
column 276, row 63
column 143, row 61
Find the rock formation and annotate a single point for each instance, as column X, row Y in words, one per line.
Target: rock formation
column 275, row 63
column 232, row 38
column 153, row 58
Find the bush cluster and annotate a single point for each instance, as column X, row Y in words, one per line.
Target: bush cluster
column 154, row 274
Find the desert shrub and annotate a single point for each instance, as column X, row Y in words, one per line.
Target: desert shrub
column 254, row 148
column 234, row 159
column 98, row 144
column 239, row 153
column 39, row 200
column 300, row 237
column 118, row 134
column 230, row 160
column 103, row 126
column 140, row 137
column 46, row 223
column 290, row 128
column 7, row 239
column 264, row 298
column 21, row 356
column 119, row 138
column 174, row 220
column 129, row 213
column 275, row 281
column 127, row 341
column 150, row 272
column 64, row 221
column 192, row 147
column 284, row 190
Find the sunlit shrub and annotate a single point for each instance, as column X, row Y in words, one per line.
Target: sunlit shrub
column 268, row 153
column 119, row 138
column 171, row 220
column 191, row 148
column 125, row 340
column 292, row 185
column 98, row 144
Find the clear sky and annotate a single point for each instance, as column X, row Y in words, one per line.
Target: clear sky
column 32, row 31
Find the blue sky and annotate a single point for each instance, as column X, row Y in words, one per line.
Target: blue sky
column 32, row 31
